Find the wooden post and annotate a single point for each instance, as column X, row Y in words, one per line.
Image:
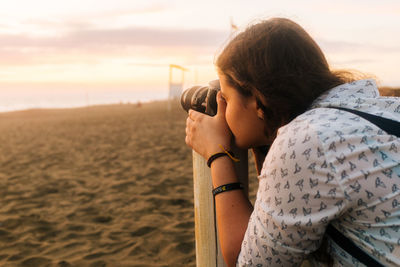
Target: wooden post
column 208, row 251
column 206, row 242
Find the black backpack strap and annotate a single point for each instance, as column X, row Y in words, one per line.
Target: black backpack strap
column 347, row 245
column 391, row 127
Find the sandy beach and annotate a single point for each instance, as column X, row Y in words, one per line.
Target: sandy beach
column 96, row 186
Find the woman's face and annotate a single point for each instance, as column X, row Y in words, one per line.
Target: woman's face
column 243, row 117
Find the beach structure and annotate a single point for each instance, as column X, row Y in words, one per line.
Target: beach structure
column 175, row 88
column 208, row 251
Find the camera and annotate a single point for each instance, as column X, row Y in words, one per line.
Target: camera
column 201, row 98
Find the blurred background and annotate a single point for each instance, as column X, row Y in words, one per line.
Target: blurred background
column 86, row 52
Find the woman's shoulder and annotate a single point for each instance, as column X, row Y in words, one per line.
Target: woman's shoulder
column 317, row 135
column 298, row 142
column 317, row 122
column 362, row 95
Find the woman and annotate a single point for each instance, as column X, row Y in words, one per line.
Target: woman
column 325, row 166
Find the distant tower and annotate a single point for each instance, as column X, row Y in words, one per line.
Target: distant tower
column 175, row 88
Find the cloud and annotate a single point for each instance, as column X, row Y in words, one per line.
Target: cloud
column 88, row 37
column 351, row 47
column 354, row 8
column 133, row 36
column 57, row 24
column 338, row 46
column 355, row 61
column 148, row 37
column 86, row 45
column 90, row 18
column 154, row 8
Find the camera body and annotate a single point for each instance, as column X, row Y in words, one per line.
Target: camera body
column 201, row 98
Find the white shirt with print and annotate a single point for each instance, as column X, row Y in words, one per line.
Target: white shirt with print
column 329, row 166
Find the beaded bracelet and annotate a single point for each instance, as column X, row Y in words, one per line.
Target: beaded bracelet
column 226, row 187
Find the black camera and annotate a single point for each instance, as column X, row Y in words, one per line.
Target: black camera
column 201, row 98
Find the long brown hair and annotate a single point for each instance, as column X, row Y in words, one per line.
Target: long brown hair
column 282, row 66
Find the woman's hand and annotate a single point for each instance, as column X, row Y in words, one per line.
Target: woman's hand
column 205, row 134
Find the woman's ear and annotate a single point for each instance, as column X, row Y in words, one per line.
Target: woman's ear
column 260, row 113
column 257, row 106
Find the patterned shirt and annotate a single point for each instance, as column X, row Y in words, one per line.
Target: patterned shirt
column 329, row 166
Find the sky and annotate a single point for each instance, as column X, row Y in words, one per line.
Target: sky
column 80, row 52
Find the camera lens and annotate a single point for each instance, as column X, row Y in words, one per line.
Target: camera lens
column 186, row 98
column 201, row 98
column 194, row 98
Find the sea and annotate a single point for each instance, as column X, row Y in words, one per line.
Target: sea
column 17, row 100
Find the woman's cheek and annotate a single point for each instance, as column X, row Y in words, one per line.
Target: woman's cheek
column 228, row 117
column 230, row 120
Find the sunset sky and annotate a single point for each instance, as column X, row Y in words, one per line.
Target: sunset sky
column 112, row 48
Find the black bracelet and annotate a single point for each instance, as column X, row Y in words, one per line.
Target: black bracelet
column 218, row 155
column 226, row 187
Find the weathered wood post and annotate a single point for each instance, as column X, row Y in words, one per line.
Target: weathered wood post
column 208, row 252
